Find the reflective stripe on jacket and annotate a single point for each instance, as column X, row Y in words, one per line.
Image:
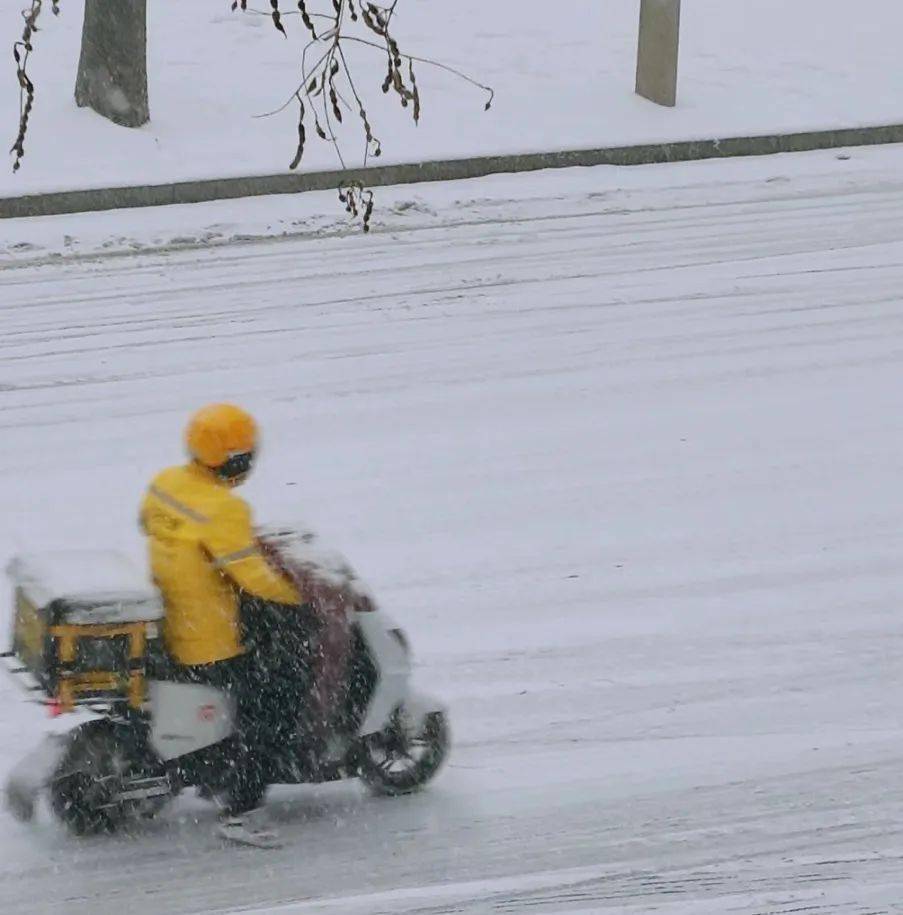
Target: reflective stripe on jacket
column 202, row 551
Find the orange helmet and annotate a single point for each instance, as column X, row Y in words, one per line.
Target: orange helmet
column 224, row 438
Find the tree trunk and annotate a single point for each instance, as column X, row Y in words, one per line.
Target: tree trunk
column 112, row 72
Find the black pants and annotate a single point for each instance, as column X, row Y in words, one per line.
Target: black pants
column 270, row 686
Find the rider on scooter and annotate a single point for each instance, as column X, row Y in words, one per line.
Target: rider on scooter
column 207, row 564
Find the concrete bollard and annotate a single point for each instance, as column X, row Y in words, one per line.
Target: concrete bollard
column 656, row 71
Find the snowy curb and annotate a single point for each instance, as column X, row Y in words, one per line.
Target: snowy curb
column 91, row 200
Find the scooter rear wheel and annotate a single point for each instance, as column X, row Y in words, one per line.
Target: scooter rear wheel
column 82, row 791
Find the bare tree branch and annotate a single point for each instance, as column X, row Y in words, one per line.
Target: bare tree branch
column 21, row 53
column 321, row 85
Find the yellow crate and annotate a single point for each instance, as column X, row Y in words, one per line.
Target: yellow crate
column 83, row 621
column 73, row 684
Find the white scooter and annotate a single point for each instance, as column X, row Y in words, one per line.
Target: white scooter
column 146, row 735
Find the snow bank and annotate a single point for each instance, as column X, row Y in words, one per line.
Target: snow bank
column 555, row 193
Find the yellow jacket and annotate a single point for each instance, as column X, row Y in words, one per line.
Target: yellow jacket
column 202, row 551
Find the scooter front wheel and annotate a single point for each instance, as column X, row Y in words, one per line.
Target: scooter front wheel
column 401, row 760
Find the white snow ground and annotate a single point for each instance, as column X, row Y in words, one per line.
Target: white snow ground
column 625, row 462
column 564, row 75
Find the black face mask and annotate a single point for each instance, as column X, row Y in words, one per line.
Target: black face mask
column 237, row 467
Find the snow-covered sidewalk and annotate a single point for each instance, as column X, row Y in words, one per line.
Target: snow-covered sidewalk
column 564, row 79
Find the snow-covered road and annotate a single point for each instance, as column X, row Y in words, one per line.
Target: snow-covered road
column 626, row 465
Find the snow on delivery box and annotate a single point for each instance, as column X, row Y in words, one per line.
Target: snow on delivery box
column 82, row 639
